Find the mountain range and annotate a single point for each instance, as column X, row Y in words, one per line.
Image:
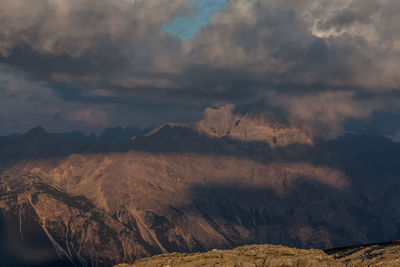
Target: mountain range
column 229, row 180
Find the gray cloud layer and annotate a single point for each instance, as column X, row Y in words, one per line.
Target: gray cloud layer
column 90, row 63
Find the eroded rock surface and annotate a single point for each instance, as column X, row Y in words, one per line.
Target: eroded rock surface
column 280, row 256
column 222, row 121
column 383, row 254
column 257, row 256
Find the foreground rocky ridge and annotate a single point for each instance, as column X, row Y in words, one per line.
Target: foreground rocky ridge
column 258, row 256
column 385, row 254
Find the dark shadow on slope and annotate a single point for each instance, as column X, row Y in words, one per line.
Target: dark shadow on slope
column 344, row 251
column 379, row 153
column 30, row 249
column 308, row 214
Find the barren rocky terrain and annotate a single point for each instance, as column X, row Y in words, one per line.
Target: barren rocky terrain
column 262, row 255
column 387, row 254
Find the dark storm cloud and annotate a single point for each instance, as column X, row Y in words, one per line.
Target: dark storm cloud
column 304, row 62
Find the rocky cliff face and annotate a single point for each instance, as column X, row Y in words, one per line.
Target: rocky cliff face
column 222, row 121
column 177, row 190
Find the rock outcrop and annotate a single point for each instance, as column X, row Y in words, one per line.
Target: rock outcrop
column 387, row 254
column 222, row 121
column 257, row 256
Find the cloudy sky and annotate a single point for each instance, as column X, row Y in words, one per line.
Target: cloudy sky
column 330, row 66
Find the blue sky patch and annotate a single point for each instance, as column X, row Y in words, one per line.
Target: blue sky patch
column 186, row 28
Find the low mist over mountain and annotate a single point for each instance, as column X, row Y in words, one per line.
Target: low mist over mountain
column 111, row 199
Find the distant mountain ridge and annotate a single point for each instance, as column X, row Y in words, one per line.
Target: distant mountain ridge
column 39, row 143
column 110, row 134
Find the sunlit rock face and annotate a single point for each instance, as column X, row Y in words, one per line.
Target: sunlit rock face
column 262, row 255
column 381, row 254
column 222, row 121
column 178, row 190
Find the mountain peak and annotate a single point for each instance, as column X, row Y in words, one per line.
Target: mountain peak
column 166, row 128
column 37, row 131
